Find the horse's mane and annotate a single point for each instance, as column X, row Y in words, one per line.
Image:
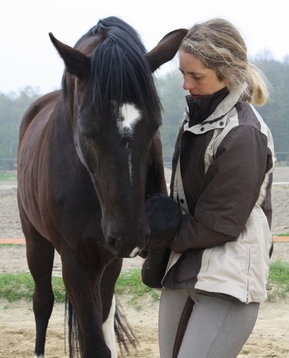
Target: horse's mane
column 119, row 70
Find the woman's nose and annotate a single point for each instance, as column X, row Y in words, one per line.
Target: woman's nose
column 188, row 84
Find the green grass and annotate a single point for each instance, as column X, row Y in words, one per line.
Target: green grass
column 278, row 281
column 129, row 283
column 279, row 273
column 14, row 287
column 8, row 175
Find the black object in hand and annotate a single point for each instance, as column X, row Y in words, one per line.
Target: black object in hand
column 164, row 217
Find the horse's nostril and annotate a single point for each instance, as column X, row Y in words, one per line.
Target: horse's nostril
column 111, row 241
column 147, row 236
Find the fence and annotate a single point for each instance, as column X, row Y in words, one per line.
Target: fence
column 283, row 158
column 7, row 164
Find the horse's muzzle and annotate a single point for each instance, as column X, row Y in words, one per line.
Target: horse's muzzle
column 122, row 247
column 125, row 238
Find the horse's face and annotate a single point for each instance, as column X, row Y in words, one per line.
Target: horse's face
column 113, row 139
column 116, row 157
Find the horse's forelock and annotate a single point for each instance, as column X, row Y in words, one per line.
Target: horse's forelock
column 119, row 70
column 111, row 25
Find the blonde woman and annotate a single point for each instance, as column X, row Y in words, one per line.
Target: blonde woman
column 222, row 176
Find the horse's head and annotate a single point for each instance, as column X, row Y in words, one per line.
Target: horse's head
column 115, row 113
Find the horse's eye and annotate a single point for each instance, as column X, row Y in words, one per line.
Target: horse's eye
column 88, row 127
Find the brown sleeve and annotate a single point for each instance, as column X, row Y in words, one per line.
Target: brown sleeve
column 193, row 234
column 230, row 190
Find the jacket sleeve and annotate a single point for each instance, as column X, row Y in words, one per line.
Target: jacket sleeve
column 194, row 235
column 230, row 190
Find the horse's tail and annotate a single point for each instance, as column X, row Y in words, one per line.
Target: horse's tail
column 123, row 331
column 73, row 339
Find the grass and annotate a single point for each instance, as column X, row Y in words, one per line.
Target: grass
column 14, row 287
column 8, row 175
column 278, row 281
column 279, row 273
column 129, row 283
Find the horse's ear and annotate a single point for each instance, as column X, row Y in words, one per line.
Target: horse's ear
column 166, row 48
column 75, row 61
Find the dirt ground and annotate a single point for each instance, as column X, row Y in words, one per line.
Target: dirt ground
column 270, row 337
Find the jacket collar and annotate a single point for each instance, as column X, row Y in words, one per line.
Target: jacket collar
column 200, row 108
column 227, row 104
column 223, row 107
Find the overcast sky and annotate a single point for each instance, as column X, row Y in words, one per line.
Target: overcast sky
column 29, row 59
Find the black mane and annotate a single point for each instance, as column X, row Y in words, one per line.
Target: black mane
column 119, row 70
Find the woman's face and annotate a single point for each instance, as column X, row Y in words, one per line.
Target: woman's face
column 198, row 80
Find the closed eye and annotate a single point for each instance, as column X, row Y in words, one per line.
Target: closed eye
column 194, row 75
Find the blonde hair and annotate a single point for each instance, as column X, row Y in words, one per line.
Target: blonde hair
column 220, row 47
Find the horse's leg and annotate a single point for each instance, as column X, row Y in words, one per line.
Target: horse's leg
column 109, row 278
column 40, row 255
column 83, row 288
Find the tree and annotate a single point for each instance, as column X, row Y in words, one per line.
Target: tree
column 169, row 86
column 12, row 107
column 172, row 97
column 275, row 113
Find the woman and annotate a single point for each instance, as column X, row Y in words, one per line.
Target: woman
column 222, row 176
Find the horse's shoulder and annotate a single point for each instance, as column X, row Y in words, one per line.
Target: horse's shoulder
column 39, row 104
column 35, row 107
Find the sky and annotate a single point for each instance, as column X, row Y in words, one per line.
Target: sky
column 28, row 57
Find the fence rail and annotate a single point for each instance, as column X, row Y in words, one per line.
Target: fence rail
column 7, row 164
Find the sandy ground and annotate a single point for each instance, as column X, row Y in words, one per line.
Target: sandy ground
column 270, row 337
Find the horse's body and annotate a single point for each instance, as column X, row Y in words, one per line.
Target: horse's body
column 88, row 156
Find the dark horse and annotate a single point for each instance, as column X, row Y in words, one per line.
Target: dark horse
column 88, row 157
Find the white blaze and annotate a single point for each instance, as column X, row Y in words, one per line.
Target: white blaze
column 129, row 116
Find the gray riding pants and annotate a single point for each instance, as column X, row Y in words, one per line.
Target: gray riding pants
column 217, row 327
